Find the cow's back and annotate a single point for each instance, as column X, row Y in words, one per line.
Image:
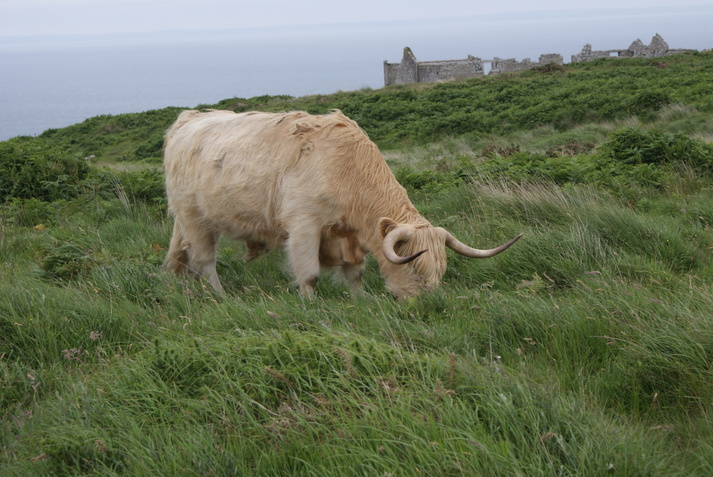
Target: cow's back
column 242, row 174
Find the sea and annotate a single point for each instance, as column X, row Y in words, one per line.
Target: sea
column 53, row 82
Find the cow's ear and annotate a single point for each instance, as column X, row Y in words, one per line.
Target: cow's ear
column 386, row 225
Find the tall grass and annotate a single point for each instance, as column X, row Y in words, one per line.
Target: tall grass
column 585, row 349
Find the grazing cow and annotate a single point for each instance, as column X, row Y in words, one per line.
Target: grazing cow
column 314, row 184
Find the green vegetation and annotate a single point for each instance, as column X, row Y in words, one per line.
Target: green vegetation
column 585, row 349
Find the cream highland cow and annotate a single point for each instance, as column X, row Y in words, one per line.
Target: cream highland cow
column 315, row 185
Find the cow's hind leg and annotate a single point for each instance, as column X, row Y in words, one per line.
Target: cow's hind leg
column 303, row 254
column 177, row 256
column 201, row 246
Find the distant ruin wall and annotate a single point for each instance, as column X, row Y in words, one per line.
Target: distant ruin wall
column 412, row 71
column 657, row 48
column 503, row 66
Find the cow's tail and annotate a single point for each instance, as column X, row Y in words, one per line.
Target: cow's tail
column 176, row 260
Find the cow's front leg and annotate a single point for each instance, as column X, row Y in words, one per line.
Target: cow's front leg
column 202, row 246
column 353, row 275
column 303, row 254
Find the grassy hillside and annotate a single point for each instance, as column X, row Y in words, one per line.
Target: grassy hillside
column 585, row 349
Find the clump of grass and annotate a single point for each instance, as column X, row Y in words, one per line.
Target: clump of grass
column 251, row 405
column 67, row 261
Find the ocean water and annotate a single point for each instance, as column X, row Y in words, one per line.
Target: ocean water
column 42, row 89
column 55, row 82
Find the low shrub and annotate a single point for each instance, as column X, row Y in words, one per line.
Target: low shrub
column 634, row 146
column 146, row 186
column 30, row 169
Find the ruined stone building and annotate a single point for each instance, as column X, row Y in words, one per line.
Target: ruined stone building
column 412, row 71
column 658, row 47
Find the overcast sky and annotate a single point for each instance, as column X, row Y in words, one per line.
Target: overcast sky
column 53, row 17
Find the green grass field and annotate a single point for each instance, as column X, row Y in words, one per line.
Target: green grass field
column 585, row 349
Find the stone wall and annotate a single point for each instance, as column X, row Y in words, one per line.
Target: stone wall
column 412, row 71
column 503, row 66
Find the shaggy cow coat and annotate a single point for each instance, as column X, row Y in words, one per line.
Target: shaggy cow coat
column 314, row 184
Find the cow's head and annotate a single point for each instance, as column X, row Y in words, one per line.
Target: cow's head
column 416, row 255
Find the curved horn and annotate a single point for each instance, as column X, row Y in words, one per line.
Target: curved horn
column 399, row 234
column 461, row 248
